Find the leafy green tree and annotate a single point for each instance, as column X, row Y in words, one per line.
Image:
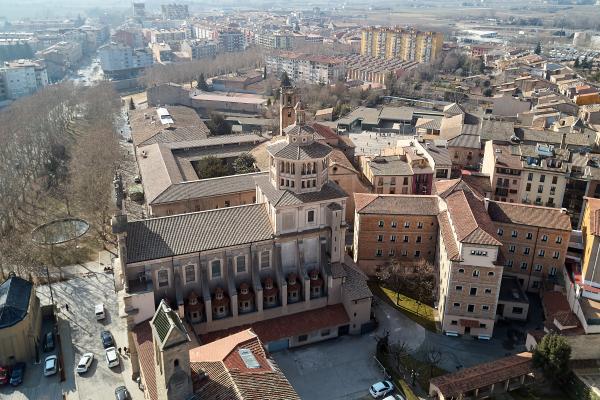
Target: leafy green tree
column 552, row 356
column 211, row 167
column 244, row 164
column 538, row 48
column 285, row 80
column 201, row 84
column 218, row 125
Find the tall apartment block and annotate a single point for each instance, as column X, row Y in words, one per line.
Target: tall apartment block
column 175, row 11
column 401, row 43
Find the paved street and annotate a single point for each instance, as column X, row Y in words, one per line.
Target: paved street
column 344, row 368
column 81, row 294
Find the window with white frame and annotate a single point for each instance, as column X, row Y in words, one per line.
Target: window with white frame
column 240, row 264
column 215, row 269
column 380, row 223
column 559, row 239
column 538, row 267
column 379, row 253
column 509, row 263
column 556, row 254
column 190, row 273
column 310, row 216
column 394, row 224
column 541, row 253
column 265, row 259
column 500, row 231
column 552, row 271
column 544, row 238
column 475, row 272
column 407, row 224
column 514, row 234
column 163, row 278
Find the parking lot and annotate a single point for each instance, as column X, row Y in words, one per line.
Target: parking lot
column 341, row 368
column 80, row 333
column 35, row 385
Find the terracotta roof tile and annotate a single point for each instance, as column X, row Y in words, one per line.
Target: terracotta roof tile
column 397, row 204
column 448, row 236
column 142, row 339
column 289, row 325
column 482, row 375
column 523, row 214
column 470, row 219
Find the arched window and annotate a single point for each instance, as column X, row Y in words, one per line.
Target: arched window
column 190, row 273
column 176, row 363
column 163, row 278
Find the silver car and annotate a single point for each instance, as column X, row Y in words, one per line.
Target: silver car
column 50, row 365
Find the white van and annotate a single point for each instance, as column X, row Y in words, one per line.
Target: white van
column 99, row 310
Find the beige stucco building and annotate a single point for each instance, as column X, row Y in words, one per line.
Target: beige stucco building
column 278, row 262
column 20, row 321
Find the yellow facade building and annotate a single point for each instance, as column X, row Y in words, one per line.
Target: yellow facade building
column 401, row 43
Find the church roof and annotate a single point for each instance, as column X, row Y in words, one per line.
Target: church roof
column 14, row 300
column 296, row 151
column 168, row 326
column 278, row 197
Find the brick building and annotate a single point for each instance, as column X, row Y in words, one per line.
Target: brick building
column 535, row 241
column 391, row 228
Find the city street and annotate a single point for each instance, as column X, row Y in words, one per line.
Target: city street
column 81, row 293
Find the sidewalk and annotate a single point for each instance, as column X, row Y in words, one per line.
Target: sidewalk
column 69, row 386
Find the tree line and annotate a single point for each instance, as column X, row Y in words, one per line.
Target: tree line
column 58, row 156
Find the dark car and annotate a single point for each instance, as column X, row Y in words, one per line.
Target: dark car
column 17, row 374
column 107, row 339
column 49, row 341
column 3, row 375
column 121, row 393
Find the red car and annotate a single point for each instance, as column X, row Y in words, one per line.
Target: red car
column 3, row 375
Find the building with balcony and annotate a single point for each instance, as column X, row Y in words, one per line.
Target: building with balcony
column 405, row 44
column 120, row 61
column 21, row 78
column 198, row 48
column 583, row 280
column 408, row 173
column 277, row 262
column 306, row 68
column 174, row 11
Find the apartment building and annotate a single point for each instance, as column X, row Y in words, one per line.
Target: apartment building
column 21, row 78
column 132, row 37
column 275, row 40
column 405, row 44
column 231, row 40
column 390, row 229
column 165, row 35
column 277, row 262
column 375, row 69
column 535, row 241
column 175, row 11
column 590, row 262
column 583, row 285
column 121, row 61
column 408, row 173
column 306, row 68
column 526, row 173
column 199, row 48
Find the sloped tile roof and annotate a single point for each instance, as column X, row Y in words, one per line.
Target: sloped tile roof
column 189, row 233
column 470, row 219
column 329, row 191
column 448, row 236
column 142, row 340
column 294, row 151
column 15, row 293
column 466, row 141
column 228, row 376
column 396, row 204
column 483, row 375
column 355, row 285
column 289, row 325
column 523, row 214
column 208, row 187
